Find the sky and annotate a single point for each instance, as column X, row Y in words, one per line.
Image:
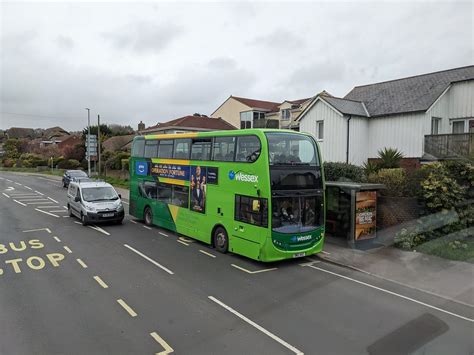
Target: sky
column 156, row 61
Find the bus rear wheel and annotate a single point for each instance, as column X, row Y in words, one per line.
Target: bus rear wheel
column 148, row 214
column 221, row 240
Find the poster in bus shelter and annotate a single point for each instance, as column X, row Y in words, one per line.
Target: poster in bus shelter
column 365, row 223
column 170, row 171
column 198, row 188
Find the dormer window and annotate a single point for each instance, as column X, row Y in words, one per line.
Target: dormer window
column 285, row 114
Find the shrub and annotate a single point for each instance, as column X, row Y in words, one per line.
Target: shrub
column 69, row 164
column 115, row 161
column 440, row 191
column 125, row 164
column 393, row 179
column 8, row 163
column 343, row 172
column 370, row 167
column 390, row 158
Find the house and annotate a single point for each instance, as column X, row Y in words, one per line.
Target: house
column 70, row 141
column 194, row 123
column 243, row 113
column 20, row 133
column 428, row 116
column 118, row 143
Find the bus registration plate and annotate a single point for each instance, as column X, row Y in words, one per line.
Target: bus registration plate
column 299, row 255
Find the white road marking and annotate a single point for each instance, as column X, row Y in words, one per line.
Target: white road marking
column 10, row 188
column 65, row 207
column 252, row 323
column 134, row 222
column 101, row 282
column 59, row 211
column 125, row 202
column 180, row 241
column 149, row 259
column 98, row 229
column 127, row 308
column 29, row 199
column 392, row 293
column 42, row 194
column 21, row 203
column 186, row 240
column 9, row 180
column 325, row 252
column 67, row 249
column 17, row 183
column 49, row 198
column 163, row 234
column 147, row 227
column 51, row 214
column 4, row 194
column 252, row 272
column 83, row 264
column 77, row 222
column 66, row 216
column 57, row 239
column 164, row 344
column 208, row 254
column 37, row 230
column 37, row 203
column 27, row 187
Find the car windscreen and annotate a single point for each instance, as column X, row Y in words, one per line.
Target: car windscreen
column 77, row 173
column 90, row 194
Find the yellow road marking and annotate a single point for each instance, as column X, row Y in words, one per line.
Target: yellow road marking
column 101, row 282
column 208, row 254
column 57, row 239
column 67, row 249
column 252, row 272
column 164, row 344
column 127, row 308
column 83, row 264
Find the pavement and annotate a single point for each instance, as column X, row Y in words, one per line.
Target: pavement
column 131, row 289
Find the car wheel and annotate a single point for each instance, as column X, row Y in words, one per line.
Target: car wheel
column 148, row 214
column 64, row 184
column 83, row 220
column 120, row 221
column 221, row 240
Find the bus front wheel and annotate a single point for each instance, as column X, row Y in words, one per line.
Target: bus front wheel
column 221, row 240
column 148, row 216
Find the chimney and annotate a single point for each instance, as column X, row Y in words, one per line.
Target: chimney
column 141, row 126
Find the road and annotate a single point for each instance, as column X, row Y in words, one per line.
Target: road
column 130, row 289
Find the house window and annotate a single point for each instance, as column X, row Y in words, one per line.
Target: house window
column 320, row 130
column 246, row 120
column 458, row 127
column 435, row 122
column 285, row 114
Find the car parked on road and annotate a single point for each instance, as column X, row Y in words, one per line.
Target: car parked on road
column 71, row 175
column 94, row 202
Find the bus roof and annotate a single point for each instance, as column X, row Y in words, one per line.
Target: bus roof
column 241, row 132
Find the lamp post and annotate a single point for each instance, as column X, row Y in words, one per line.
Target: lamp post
column 88, row 142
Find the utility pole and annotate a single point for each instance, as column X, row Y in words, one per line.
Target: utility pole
column 98, row 138
column 88, row 141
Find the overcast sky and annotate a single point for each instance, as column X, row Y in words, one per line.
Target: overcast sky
column 155, row 61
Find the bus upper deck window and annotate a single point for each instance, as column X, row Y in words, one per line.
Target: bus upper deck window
column 224, row 148
column 165, row 149
column 248, row 148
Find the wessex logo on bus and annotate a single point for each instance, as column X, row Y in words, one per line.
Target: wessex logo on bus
column 240, row 176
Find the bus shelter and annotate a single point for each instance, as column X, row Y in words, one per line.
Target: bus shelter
column 351, row 212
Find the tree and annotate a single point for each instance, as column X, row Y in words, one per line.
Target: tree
column 76, row 152
column 14, row 147
column 104, row 130
column 119, row 130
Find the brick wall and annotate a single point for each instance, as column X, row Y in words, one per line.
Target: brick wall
column 405, row 163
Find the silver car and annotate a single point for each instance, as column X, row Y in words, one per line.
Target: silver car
column 94, row 202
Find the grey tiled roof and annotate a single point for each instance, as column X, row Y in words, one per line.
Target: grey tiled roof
column 347, row 107
column 416, row 93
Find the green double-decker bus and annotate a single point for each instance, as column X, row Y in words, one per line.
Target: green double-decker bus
column 254, row 192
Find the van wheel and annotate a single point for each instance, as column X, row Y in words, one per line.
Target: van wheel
column 221, row 240
column 83, row 220
column 148, row 214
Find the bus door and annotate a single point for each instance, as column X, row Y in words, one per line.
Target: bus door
column 250, row 225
